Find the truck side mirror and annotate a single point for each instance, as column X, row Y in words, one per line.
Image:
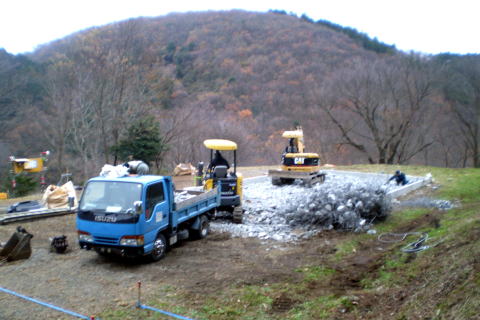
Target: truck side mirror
column 138, row 207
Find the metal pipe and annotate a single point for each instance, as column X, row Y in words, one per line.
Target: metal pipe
column 45, row 304
column 173, row 315
column 142, row 306
column 235, row 162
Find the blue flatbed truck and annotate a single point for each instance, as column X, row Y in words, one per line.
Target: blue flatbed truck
column 138, row 216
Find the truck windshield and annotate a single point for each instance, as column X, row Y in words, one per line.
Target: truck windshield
column 110, row 196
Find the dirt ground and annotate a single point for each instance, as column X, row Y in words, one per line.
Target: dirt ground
column 87, row 283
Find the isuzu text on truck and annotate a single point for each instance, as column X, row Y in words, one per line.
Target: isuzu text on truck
column 138, row 216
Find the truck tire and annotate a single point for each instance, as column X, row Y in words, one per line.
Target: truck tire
column 204, row 229
column 159, row 248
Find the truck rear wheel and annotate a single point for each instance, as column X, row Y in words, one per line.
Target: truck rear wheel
column 204, row 229
column 159, row 248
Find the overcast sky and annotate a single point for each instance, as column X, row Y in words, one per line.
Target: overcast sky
column 428, row 26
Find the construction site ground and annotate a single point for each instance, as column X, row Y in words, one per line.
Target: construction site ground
column 221, row 277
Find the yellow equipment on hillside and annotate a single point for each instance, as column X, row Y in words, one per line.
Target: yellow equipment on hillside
column 296, row 163
column 219, row 174
column 31, row 165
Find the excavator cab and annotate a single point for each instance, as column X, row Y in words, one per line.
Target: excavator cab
column 295, row 158
column 220, row 174
column 297, row 163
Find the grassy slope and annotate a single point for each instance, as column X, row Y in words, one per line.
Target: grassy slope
column 442, row 282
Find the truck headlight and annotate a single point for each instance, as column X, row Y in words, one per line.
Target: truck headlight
column 132, row 241
column 84, row 236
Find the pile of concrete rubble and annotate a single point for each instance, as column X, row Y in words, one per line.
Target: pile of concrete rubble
column 293, row 212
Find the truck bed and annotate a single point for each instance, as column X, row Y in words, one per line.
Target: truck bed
column 193, row 197
column 199, row 203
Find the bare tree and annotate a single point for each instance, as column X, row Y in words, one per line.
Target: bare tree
column 462, row 91
column 94, row 91
column 116, row 90
column 378, row 107
column 56, row 118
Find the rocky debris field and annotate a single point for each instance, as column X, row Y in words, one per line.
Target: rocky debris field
column 294, row 212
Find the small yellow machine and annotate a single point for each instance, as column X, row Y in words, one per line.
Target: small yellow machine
column 32, row 165
column 296, row 163
column 219, row 173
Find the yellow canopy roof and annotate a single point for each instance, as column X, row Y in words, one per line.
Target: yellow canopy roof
column 293, row 134
column 302, row 155
column 220, row 144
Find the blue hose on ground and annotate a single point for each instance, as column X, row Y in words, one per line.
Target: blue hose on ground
column 142, row 306
column 45, row 304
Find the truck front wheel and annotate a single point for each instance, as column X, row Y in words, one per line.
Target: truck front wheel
column 159, row 248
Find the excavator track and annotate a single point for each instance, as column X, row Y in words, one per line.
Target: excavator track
column 282, row 177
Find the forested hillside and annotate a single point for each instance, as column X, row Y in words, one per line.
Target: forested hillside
column 242, row 76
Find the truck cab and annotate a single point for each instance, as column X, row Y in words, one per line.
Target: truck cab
column 138, row 216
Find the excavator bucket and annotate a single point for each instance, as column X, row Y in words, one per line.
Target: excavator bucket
column 17, row 247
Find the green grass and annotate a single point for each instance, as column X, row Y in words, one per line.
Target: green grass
column 346, row 248
column 320, row 308
column 465, row 186
column 455, row 226
column 315, row 273
column 247, row 302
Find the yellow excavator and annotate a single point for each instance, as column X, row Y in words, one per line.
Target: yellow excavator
column 220, row 174
column 296, row 163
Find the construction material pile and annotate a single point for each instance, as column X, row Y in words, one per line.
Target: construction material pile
column 58, row 197
column 347, row 206
column 293, row 212
column 182, row 195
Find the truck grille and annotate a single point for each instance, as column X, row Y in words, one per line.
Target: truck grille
column 105, row 240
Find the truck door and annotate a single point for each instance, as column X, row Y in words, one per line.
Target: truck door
column 156, row 211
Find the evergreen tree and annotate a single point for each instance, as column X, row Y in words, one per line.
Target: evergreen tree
column 25, row 184
column 143, row 141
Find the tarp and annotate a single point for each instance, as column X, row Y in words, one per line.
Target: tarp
column 184, row 169
column 109, row 171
